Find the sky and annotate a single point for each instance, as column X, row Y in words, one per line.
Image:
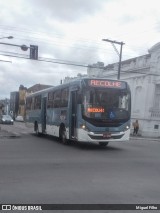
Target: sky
column 70, row 31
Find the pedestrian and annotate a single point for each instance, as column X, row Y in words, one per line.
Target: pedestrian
column 136, row 127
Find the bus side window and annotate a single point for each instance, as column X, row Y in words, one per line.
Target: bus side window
column 32, row 104
column 37, row 102
column 57, row 99
column 29, row 103
column 50, row 100
column 64, row 97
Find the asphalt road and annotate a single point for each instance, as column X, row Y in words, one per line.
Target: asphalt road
column 42, row 170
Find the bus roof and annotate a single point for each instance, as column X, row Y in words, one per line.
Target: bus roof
column 76, row 81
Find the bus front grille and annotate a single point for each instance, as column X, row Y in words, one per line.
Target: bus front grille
column 100, row 137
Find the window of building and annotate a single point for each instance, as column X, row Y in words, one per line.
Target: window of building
column 156, row 126
column 138, row 98
column 157, row 97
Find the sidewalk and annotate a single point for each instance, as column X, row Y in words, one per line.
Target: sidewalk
column 143, row 138
column 4, row 133
column 15, row 130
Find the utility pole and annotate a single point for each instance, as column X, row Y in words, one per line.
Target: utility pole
column 119, row 54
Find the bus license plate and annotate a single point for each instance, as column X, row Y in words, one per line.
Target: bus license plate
column 107, row 135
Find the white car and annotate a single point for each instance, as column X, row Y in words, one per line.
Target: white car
column 6, row 119
column 19, row 118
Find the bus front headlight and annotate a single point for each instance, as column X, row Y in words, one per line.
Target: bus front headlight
column 84, row 127
column 126, row 128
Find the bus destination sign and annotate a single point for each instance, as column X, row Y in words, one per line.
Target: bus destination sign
column 106, row 84
column 95, row 109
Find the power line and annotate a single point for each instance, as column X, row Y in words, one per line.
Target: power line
column 22, row 56
column 6, row 61
column 55, row 61
column 42, row 34
column 62, row 43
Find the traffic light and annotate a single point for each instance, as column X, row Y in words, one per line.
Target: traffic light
column 34, row 52
column 24, row 47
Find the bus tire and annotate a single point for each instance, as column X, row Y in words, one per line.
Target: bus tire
column 36, row 129
column 62, row 135
column 103, row 144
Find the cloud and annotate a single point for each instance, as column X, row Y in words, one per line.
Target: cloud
column 71, row 31
column 70, row 10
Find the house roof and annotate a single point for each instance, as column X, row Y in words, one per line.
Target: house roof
column 38, row 87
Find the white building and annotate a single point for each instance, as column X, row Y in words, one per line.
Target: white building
column 143, row 75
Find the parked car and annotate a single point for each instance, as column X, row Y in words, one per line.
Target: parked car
column 19, row 118
column 6, row 119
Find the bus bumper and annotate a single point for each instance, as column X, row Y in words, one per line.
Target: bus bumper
column 86, row 136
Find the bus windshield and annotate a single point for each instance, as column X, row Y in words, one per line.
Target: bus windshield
column 106, row 104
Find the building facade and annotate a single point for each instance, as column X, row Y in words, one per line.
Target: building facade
column 14, row 103
column 4, row 106
column 22, row 98
column 17, row 99
column 143, row 75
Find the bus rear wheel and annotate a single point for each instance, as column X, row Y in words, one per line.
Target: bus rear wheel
column 62, row 135
column 103, row 144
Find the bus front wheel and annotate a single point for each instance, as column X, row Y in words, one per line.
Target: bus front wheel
column 103, row 144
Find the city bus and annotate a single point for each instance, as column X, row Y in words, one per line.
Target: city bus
column 92, row 110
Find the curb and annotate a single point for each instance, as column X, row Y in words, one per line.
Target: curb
column 142, row 138
column 7, row 134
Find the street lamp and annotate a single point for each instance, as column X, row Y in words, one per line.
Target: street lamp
column 119, row 54
column 9, row 37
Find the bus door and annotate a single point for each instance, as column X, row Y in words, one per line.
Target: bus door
column 73, row 132
column 43, row 116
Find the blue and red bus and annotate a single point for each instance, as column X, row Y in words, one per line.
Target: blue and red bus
column 93, row 110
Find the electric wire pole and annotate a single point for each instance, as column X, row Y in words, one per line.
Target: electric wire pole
column 119, row 54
